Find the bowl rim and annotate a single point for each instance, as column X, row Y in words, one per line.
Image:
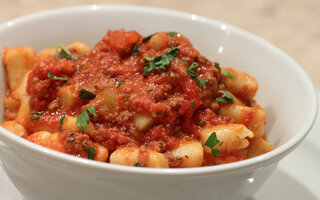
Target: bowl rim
column 272, row 156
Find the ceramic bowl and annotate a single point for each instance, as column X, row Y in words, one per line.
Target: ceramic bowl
column 285, row 91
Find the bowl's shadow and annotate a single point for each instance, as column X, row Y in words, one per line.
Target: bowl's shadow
column 282, row 186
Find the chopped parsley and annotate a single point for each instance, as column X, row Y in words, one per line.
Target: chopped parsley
column 160, row 62
column 228, row 74
column 148, row 37
column 83, row 119
column 140, row 164
column 159, row 112
column 135, row 49
column 202, row 123
column 211, row 142
column 227, row 99
column 194, row 75
column 70, row 139
column 64, row 53
column 61, row 122
column 172, row 34
column 53, row 77
column 85, row 94
column 90, row 150
column 217, row 65
column 36, row 115
column 120, row 83
column 179, row 159
column 192, row 104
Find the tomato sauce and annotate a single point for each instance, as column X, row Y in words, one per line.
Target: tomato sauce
column 171, row 96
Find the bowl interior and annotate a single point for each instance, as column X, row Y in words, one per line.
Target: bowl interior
column 285, row 91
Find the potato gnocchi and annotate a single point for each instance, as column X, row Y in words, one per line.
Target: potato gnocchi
column 139, row 101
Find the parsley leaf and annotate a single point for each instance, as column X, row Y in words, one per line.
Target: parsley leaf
column 64, row 53
column 160, row 62
column 192, row 104
column 172, row 34
column 148, row 37
column 140, row 164
column 90, row 150
column 228, row 97
column 83, row 119
column 217, row 65
column 61, row 122
column 202, row 123
column 53, row 77
column 211, row 142
column 85, row 94
column 135, row 49
column 120, row 83
column 70, row 139
column 228, row 74
column 195, row 75
column 36, row 115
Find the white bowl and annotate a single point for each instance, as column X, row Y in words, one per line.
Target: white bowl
column 286, row 93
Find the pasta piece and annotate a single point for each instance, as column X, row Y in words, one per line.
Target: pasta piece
column 130, row 156
column 258, row 147
column 41, row 138
column 12, row 105
column 190, row 154
column 243, row 85
column 46, row 52
column 15, row 128
column 143, row 122
column 157, row 41
column 70, row 123
column 17, row 61
column 125, row 156
column 156, row 160
column 237, row 101
column 106, row 100
column 253, row 118
column 67, row 96
column 80, row 48
column 232, row 136
column 55, row 143
column 20, row 93
column 101, row 153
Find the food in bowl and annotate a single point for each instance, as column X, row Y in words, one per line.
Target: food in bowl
column 150, row 101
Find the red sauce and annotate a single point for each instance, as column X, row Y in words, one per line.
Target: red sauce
column 165, row 95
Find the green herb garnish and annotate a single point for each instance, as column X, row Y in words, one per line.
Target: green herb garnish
column 148, row 37
column 172, row 34
column 202, row 123
column 217, row 65
column 64, row 53
column 228, row 74
column 36, row 115
column 85, row 94
column 83, row 119
column 70, row 139
column 120, row 83
column 160, row 62
column 192, row 104
column 90, row 151
column 135, row 49
column 140, row 164
column 53, row 77
column 211, row 142
column 159, row 112
column 227, row 99
column 61, row 121
column 195, row 75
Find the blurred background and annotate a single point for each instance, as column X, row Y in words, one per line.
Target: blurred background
column 292, row 25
